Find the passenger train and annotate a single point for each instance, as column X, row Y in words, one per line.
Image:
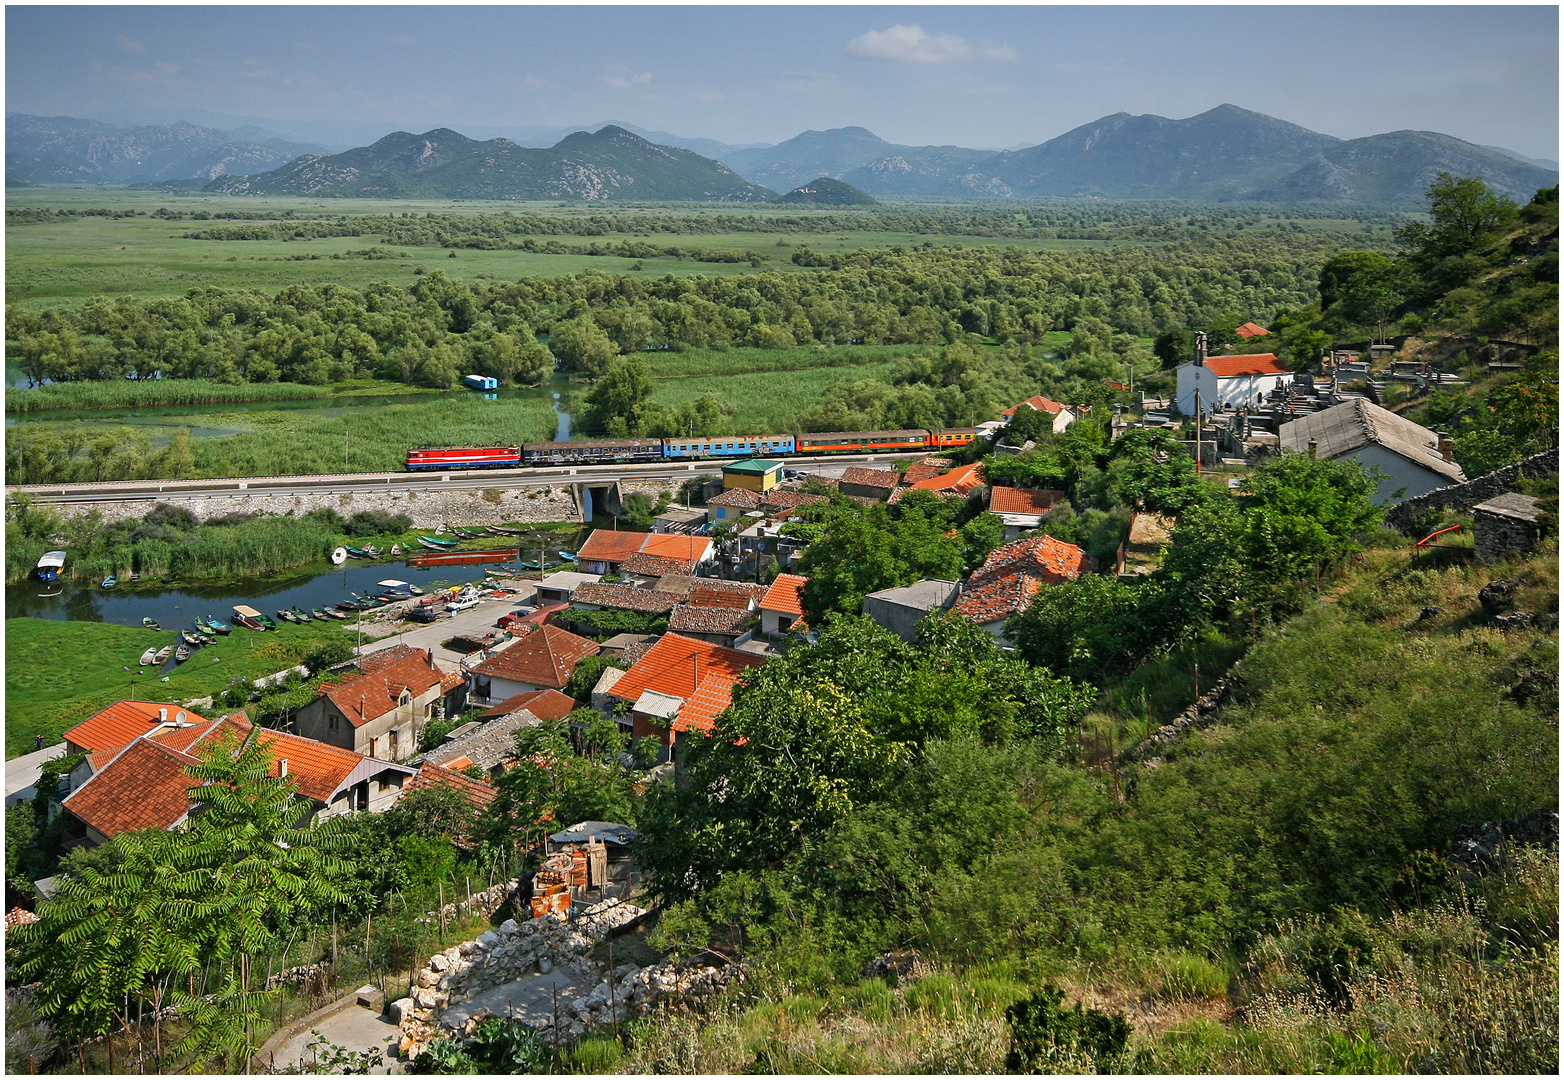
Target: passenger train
column 635, row 451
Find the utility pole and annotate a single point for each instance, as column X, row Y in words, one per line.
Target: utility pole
column 1197, row 427
column 344, row 444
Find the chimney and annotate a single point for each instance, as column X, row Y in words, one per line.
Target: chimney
column 282, row 766
column 162, row 716
column 1446, row 446
column 1314, row 447
column 1200, row 348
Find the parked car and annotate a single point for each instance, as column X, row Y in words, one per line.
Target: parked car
column 464, row 604
column 424, row 615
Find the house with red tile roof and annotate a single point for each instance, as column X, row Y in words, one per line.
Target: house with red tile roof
column 869, row 483
column 1011, row 576
column 542, row 659
column 621, row 597
column 607, row 551
column 378, row 708
column 1251, row 330
column 644, row 566
column 662, row 682
column 1063, row 414
column 779, row 500
column 144, row 785
column 926, row 468
column 544, row 704
column 959, row 481
column 118, row 724
column 733, row 504
column 1230, row 382
column 1021, row 509
column 783, row 605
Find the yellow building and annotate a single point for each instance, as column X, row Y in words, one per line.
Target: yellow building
column 751, row 475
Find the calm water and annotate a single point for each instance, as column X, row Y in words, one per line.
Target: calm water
column 174, row 608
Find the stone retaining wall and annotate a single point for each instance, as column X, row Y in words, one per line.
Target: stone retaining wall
column 1405, row 515
column 483, row 904
column 1201, row 714
column 463, row 506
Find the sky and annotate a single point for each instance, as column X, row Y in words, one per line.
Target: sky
column 978, row 76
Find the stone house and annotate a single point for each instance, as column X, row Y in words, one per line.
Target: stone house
column 379, row 710
column 1413, row 459
column 898, row 610
column 1509, row 524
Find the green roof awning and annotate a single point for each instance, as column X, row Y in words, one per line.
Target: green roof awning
column 752, row 467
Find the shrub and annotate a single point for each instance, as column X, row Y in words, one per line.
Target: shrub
column 1047, row 1038
column 176, row 517
column 1186, row 977
column 326, row 654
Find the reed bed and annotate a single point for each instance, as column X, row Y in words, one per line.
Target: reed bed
column 150, row 393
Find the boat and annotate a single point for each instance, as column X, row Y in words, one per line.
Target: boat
column 466, row 535
column 150, row 623
column 396, row 550
column 148, row 656
column 110, row 581
column 568, row 556
column 371, row 551
column 248, row 617
column 339, row 556
column 285, row 615
column 319, row 614
column 299, row 615
column 480, row 382
column 186, row 637
column 333, row 613
column 437, row 545
column 50, row 565
column 221, row 628
column 202, row 625
column 354, row 553
column 183, row 653
column 266, row 620
column 163, row 654
column 205, row 639
column 393, row 586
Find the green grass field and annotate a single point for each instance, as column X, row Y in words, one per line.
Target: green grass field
column 66, row 262
column 59, row 673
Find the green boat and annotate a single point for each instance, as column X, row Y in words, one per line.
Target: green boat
column 267, row 621
column 357, row 553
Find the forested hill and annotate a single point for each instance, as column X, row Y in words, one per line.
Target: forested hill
column 608, row 164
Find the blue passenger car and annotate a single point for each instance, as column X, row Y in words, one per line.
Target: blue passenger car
column 719, row 446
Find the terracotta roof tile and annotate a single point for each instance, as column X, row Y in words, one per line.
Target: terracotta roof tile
column 676, row 546
column 374, row 692
column 656, row 565
column 1251, row 330
column 671, row 664
column 1009, row 500
column 736, row 499
column 700, row 712
column 874, row 478
column 478, row 794
column 999, row 598
column 689, row 619
column 785, row 595
column 1039, row 403
column 776, row 499
column 319, row 770
column 544, row 704
column 1226, row 367
column 607, row 545
column 739, row 595
column 144, row 787
column 1049, row 560
column 545, row 657
column 923, row 470
column 119, row 724
column 958, row 481
column 624, row 598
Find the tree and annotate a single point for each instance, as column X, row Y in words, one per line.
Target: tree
column 582, row 346
column 865, row 550
column 617, row 404
column 1465, row 213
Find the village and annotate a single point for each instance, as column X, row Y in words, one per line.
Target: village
column 710, row 594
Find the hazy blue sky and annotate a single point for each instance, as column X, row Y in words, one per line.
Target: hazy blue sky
column 991, row 76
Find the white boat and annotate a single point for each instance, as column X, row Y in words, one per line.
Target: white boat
column 50, row 565
column 339, row 556
column 391, row 585
column 148, row 656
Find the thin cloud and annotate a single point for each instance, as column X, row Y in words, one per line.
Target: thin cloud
column 625, row 82
column 129, row 44
column 915, row 45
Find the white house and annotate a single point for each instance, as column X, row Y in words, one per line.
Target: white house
column 1063, row 414
column 1239, row 382
column 1413, row 459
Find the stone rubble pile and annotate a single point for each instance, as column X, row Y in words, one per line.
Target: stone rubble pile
column 515, row 950
column 483, row 904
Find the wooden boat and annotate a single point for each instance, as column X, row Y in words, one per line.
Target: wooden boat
column 50, row 565
column 110, row 581
column 203, row 626
column 569, row 556
column 163, row 654
column 183, row 653
column 437, row 545
column 248, row 617
column 319, row 614
column 148, row 656
column 396, row 550
column 466, row 535
column 221, row 628
column 187, row 638
column 334, row 614
column 300, row 615
column 286, row 616
column 266, row 620
column 150, row 623
column 371, row 551
column 205, row 639
column 353, row 552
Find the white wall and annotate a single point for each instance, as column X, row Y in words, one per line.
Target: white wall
column 1237, row 390
column 1399, row 473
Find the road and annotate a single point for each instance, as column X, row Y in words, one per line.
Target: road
column 370, row 483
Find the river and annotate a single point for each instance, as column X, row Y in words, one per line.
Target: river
column 320, row 585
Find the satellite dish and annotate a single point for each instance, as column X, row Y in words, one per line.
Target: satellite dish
column 339, row 556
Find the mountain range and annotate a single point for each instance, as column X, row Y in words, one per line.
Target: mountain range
column 65, row 150
column 1225, row 154
column 608, row 164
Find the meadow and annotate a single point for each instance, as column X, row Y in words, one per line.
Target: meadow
column 57, row 673
column 65, row 262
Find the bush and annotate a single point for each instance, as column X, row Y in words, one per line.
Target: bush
column 327, row 654
column 1047, row 1038
column 1186, row 977
column 176, row 517
column 377, row 523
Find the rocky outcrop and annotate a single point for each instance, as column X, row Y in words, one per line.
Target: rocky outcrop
column 1483, row 845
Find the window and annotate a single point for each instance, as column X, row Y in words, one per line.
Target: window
column 394, row 733
column 331, row 722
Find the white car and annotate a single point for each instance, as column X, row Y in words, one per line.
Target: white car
column 465, row 604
